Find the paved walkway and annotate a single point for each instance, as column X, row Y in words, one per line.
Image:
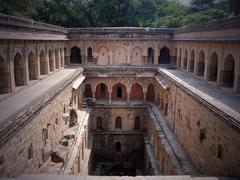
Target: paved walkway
column 27, row 95
column 225, row 102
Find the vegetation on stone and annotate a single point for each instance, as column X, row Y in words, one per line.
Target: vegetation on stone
column 116, row 13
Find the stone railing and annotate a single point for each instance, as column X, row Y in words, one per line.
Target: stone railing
column 120, row 33
column 122, row 30
column 7, row 20
column 214, row 25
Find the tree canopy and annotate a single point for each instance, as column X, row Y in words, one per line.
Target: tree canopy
column 115, row 13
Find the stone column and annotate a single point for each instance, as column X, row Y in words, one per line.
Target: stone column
column 94, row 97
column 110, row 97
column 47, row 62
column 26, row 68
column 144, row 97
column 128, row 98
column 156, row 53
column 12, row 85
column 53, row 56
column 111, row 57
column 38, row 64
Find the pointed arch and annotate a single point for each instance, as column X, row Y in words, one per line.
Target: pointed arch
column 164, row 56
column 118, row 123
column 192, row 62
column 4, row 76
column 19, row 70
column 136, row 56
column 119, row 92
column 101, row 91
column 43, row 63
column 32, row 66
column 150, row 56
column 88, row 91
column 103, row 56
column 136, row 92
column 185, row 59
column 90, row 54
column 57, row 65
column 120, row 56
column 76, row 57
column 201, row 64
column 150, row 96
column 51, row 60
column 227, row 74
column 213, row 67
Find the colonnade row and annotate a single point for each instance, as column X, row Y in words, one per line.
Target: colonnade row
column 212, row 65
column 120, row 56
column 120, row 92
column 26, row 66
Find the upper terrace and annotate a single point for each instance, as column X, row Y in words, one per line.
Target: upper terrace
column 227, row 29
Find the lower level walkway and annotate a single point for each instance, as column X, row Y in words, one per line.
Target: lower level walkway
column 22, row 102
column 224, row 103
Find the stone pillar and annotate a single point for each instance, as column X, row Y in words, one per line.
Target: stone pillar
column 206, row 61
column 47, row 62
column 144, row 97
column 26, row 68
column 128, row 98
column 94, row 97
column 53, row 56
column 188, row 60
column 38, row 65
column 13, row 87
column 156, row 54
column 110, row 97
column 111, row 57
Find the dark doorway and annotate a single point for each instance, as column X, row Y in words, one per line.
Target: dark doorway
column 118, row 147
column 164, row 57
column 76, row 57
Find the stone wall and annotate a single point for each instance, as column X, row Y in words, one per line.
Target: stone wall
column 30, row 147
column 211, row 143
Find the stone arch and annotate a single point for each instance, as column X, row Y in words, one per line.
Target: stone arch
column 99, row 123
column 43, row 63
column 136, row 92
column 227, row 74
column 120, row 56
column 179, row 60
column 185, row 59
column 119, row 92
column 164, row 56
column 76, row 57
column 150, row 56
column 57, row 65
column 73, row 118
column 61, row 57
column 101, row 91
column 118, row 123
column 201, row 63
column 192, row 62
column 19, row 70
column 150, row 96
column 32, row 66
column 88, row 91
column 137, row 123
column 136, row 56
column 51, row 60
column 118, row 146
column 89, row 54
column 213, row 67
column 4, row 76
column 103, row 56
